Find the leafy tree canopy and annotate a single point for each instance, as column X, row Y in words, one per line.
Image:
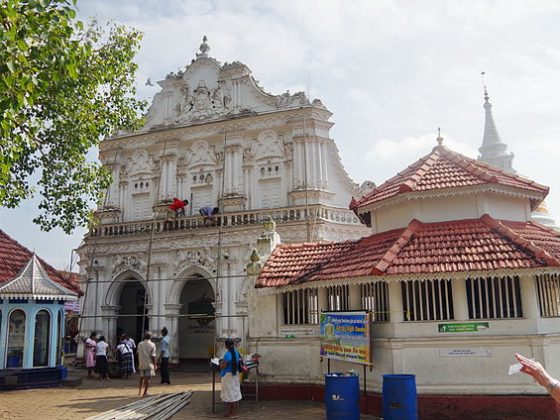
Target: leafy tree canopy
column 64, row 86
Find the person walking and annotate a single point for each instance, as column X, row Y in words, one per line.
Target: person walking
column 164, row 357
column 90, row 353
column 101, row 363
column 231, row 386
column 146, row 362
column 126, row 358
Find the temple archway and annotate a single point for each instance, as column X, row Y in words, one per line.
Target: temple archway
column 197, row 326
column 132, row 319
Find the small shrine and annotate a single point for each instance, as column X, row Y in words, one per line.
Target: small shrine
column 32, row 298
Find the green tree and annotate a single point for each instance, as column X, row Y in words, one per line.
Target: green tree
column 64, row 86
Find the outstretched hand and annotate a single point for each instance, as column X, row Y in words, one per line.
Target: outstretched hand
column 534, row 369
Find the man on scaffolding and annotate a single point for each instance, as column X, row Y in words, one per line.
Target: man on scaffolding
column 209, row 213
column 178, row 206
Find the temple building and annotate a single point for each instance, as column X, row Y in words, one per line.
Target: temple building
column 32, row 299
column 213, row 138
column 457, row 277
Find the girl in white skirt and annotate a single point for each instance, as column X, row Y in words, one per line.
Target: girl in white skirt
column 231, row 387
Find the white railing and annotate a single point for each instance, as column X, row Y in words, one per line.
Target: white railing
column 313, row 213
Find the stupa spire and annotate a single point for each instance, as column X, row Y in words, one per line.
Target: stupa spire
column 493, row 150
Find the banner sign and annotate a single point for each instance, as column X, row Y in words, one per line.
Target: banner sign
column 346, row 336
column 463, row 327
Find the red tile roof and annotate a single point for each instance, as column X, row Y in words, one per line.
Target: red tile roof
column 445, row 169
column 421, row 248
column 14, row 257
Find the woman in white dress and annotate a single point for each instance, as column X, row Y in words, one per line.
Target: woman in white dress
column 231, row 387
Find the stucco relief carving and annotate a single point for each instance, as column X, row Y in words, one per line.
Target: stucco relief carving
column 286, row 99
column 141, row 162
column 199, row 154
column 123, row 263
column 268, row 144
column 366, row 187
column 204, row 102
column 201, row 257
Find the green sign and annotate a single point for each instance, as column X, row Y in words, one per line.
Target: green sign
column 463, row 327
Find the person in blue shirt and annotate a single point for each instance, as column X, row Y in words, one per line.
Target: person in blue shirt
column 231, row 386
column 209, row 214
column 164, row 357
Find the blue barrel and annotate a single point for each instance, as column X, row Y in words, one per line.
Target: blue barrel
column 399, row 397
column 63, row 372
column 342, row 396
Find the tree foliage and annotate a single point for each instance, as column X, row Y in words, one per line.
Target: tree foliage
column 64, row 86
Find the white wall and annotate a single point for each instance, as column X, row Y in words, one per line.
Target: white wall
column 441, row 209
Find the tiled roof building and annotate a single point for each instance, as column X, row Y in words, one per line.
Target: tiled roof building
column 454, row 268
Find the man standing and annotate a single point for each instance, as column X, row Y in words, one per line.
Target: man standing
column 164, row 356
column 132, row 346
column 146, row 362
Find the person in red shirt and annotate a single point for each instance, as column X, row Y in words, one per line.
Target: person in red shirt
column 178, row 206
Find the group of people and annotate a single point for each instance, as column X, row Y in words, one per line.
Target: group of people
column 208, row 212
column 96, row 360
column 96, row 351
column 96, row 356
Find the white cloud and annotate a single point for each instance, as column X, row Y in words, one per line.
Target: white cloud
column 391, row 71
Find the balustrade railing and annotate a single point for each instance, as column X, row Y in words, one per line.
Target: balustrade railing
column 312, row 213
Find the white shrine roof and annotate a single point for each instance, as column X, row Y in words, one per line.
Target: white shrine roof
column 34, row 282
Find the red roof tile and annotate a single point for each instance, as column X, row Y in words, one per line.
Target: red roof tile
column 422, row 248
column 444, row 169
column 14, row 257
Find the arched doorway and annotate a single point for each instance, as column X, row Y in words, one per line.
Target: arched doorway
column 196, row 324
column 132, row 302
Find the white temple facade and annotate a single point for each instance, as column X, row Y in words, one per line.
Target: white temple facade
column 214, row 137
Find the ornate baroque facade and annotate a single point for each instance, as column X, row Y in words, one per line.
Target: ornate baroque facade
column 214, row 137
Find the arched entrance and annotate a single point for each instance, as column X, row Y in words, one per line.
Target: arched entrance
column 196, row 323
column 132, row 310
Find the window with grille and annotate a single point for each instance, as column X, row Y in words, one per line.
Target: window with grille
column 337, row 298
column 301, row 307
column 548, row 294
column 494, row 297
column 427, row 300
column 375, row 298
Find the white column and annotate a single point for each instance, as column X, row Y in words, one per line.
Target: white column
column 54, row 338
column 355, row 298
column 460, row 304
column 324, row 161
column 172, row 311
column 529, row 302
column 395, row 302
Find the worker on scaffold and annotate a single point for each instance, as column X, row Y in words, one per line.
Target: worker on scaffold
column 178, row 206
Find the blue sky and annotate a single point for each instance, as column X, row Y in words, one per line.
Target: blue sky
column 390, row 71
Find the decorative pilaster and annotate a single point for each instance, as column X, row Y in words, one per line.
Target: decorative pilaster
column 395, row 302
column 459, row 296
column 529, row 302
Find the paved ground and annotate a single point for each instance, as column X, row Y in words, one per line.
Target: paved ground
column 95, row 396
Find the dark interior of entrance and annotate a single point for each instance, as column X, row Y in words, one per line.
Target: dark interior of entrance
column 196, row 324
column 132, row 311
